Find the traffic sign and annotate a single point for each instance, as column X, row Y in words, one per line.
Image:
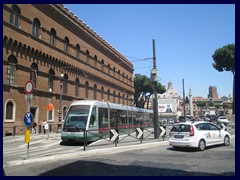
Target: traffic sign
column 29, row 87
column 114, row 135
column 49, row 107
column 162, row 131
column 28, row 118
column 139, row 133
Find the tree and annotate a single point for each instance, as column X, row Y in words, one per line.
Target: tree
column 224, row 60
column 144, row 90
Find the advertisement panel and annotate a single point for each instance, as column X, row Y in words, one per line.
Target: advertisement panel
column 165, row 108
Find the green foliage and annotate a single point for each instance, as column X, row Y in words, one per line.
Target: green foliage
column 143, row 90
column 201, row 104
column 224, row 58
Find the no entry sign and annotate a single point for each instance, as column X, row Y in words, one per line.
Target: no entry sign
column 29, row 86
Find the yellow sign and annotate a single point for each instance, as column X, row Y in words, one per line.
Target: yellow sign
column 27, row 136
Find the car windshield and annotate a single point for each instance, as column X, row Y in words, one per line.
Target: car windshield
column 77, row 116
column 181, row 128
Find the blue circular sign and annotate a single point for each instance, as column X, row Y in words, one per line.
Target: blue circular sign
column 28, row 118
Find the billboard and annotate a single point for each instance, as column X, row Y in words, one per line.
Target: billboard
column 165, row 108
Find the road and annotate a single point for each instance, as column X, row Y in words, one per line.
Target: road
column 155, row 158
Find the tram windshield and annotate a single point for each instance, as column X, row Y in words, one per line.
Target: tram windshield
column 77, row 116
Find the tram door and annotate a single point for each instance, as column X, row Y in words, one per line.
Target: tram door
column 93, row 118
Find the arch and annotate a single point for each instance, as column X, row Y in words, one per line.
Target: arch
column 95, row 92
column 86, row 89
column 87, row 56
column 102, row 93
column 33, row 74
column 51, row 74
column 66, row 43
column 36, row 26
column 77, row 50
column 10, row 111
column 76, row 87
column 15, row 13
column 52, row 36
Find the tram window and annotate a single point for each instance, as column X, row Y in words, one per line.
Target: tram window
column 103, row 117
column 93, row 121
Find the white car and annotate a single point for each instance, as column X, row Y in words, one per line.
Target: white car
column 222, row 119
column 198, row 134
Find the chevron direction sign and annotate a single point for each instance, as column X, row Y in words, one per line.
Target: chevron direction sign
column 223, row 126
column 139, row 133
column 113, row 135
column 162, row 131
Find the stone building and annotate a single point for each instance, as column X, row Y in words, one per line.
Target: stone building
column 213, row 92
column 64, row 58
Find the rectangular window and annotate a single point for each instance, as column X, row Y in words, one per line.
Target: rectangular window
column 103, row 117
column 11, row 70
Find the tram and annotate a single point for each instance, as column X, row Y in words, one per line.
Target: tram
column 96, row 118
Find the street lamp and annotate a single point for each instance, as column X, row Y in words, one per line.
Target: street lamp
column 60, row 104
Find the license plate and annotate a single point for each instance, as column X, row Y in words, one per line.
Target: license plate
column 178, row 136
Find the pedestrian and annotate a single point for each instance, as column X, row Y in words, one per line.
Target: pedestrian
column 34, row 128
column 44, row 126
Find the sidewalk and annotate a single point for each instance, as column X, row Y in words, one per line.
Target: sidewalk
column 7, row 139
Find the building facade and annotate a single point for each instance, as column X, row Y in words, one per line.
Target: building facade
column 63, row 57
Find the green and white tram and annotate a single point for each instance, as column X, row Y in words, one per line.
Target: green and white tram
column 98, row 117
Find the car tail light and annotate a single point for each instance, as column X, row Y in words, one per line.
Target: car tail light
column 191, row 130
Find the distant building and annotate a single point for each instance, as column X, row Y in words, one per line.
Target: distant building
column 213, row 92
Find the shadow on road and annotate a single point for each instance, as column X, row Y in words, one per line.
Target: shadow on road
column 94, row 168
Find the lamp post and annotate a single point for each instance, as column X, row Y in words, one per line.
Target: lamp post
column 60, row 104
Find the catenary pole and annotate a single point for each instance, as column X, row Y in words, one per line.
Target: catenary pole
column 155, row 101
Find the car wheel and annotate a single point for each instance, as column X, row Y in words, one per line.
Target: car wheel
column 226, row 140
column 201, row 145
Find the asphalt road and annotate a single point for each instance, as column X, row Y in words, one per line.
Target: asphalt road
column 147, row 159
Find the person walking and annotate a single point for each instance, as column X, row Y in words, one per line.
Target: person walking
column 44, row 124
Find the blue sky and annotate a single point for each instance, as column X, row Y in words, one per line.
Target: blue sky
column 186, row 37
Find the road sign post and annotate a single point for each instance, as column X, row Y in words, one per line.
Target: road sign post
column 28, row 117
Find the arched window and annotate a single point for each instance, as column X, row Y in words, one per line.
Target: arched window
column 119, row 74
column 108, row 94
column 66, row 44
column 95, row 61
column 119, row 98
column 76, row 87
column 102, row 63
column 36, row 26
column 102, row 94
column 114, row 69
column 33, row 74
column 11, row 69
column 86, row 89
column 114, row 96
column 77, row 50
column 14, row 15
column 95, row 92
column 52, row 36
column 109, row 68
column 87, row 56
column 10, row 110
column 51, row 74
column 123, row 98
column 64, row 84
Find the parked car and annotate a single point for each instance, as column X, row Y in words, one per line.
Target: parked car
column 170, row 121
column 222, row 119
column 198, row 134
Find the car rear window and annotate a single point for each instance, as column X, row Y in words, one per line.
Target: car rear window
column 181, row 128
